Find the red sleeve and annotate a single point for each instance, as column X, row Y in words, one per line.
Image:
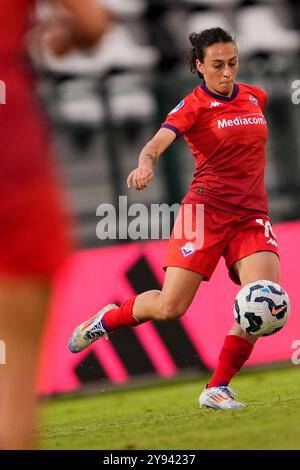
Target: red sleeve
column 183, row 116
column 261, row 95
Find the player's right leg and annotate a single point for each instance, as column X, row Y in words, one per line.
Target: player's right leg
column 179, row 289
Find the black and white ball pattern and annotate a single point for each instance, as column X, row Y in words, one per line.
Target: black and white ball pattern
column 261, row 308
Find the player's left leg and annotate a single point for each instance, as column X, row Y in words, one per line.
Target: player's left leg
column 260, row 265
column 238, row 345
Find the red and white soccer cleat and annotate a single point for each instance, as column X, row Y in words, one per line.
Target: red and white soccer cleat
column 219, row 398
column 89, row 331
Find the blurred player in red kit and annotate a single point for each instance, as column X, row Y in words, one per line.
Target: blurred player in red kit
column 223, row 123
column 33, row 235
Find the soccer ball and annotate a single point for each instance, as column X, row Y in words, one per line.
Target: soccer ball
column 261, row 308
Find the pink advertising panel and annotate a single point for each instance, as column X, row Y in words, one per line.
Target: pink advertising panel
column 93, row 278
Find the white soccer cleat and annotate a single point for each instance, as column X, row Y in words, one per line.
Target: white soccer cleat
column 89, row 331
column 219, row 398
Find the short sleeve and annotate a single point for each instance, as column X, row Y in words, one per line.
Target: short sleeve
column 264, row 100
column 183, row 116
column 261, row 95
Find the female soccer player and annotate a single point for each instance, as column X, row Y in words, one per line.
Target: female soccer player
column 224, row 126
column 33, row 233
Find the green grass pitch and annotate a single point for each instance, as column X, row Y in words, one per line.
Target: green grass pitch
column 168, row 417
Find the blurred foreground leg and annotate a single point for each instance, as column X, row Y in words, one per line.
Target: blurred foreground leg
column 23, row 305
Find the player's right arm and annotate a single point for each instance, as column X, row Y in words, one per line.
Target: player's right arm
column 178, row 122
column 141, row 176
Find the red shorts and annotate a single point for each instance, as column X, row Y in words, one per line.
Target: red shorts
column 33, row 235
column 34, row 238
column 222, row 234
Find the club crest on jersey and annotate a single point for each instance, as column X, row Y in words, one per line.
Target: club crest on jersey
column 187, row 249
column 214, row 104
column 253, row 100
column 180, row 105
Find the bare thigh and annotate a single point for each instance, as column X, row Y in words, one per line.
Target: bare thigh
column 260, row 265
column 179, row 288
